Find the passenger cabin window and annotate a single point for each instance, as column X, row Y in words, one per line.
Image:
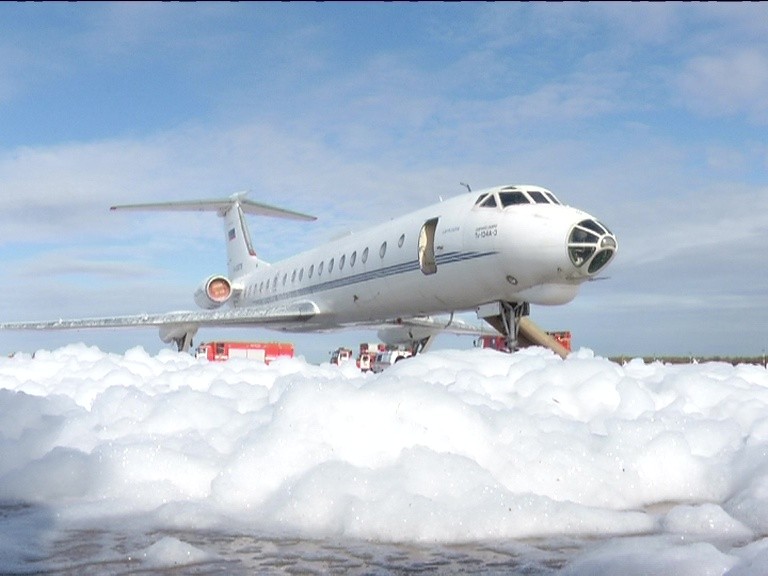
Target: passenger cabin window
column 513, row 198
column 341, row 262
column 364, row 257
column 352, row 259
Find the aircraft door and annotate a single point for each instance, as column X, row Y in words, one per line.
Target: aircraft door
column 427, row 261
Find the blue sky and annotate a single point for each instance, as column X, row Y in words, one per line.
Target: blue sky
column 650, row 116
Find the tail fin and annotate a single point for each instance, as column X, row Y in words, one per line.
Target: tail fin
column 240, row 253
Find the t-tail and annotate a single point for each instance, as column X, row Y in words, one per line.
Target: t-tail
column 241, row 256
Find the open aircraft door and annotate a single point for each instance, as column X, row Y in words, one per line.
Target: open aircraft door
column 427, row 261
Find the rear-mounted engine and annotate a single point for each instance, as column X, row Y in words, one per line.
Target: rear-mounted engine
column 213, row 292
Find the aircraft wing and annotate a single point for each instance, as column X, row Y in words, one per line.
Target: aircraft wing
column 180, row 326
column 175, row 325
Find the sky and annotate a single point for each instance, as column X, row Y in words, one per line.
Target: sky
column 652, row 117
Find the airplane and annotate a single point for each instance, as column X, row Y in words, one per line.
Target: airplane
column 493, row 252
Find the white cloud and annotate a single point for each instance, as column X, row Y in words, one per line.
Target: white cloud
column 138, row 29
column 23, row 65
column 727, row 84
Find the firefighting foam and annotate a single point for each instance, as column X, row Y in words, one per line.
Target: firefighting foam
column 655, row 468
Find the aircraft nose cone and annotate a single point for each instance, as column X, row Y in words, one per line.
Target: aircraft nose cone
column 591, row 246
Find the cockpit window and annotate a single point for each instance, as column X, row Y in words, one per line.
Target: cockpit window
column 600, row 260
column 538, row 197
column 513, row 198
column 552, row 198
column 489, row 202
column 590, row 241
column 580, row 235
column 595, row 227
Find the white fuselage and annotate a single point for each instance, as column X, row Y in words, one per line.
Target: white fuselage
column 470, row 255
column 493, row 251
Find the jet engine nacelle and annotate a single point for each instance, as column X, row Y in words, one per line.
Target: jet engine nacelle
column 213, row 292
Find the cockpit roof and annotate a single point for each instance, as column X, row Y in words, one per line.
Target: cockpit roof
column 515, row 195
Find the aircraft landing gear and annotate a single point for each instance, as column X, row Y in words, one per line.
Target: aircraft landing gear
column 511, row 313
column 184, row 343
column 505, row 317
column 419, row 346
column 181, row 335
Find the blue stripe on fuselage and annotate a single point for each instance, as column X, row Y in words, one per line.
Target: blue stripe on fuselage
column 394, row 270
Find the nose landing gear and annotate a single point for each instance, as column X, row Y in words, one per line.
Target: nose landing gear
column 505, row 317
column 510, row 319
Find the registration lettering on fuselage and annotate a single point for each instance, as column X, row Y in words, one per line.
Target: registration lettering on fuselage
column 486, row 231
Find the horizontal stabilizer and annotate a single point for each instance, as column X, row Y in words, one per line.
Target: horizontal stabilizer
column 220, row 206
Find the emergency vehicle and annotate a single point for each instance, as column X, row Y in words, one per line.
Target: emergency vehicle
column 387, row 358
column 500, row 343
column 261, row 351
column 564, row 337
column 368, row 352
column 341, row 355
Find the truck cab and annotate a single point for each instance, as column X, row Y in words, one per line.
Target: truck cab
column 387, row 358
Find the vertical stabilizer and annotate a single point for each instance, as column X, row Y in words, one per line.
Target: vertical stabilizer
column 241, row 256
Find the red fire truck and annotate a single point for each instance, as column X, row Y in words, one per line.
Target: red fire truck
column 499, row 342
column 261, row 351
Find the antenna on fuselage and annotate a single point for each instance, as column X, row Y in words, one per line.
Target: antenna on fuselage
column 466, row 186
